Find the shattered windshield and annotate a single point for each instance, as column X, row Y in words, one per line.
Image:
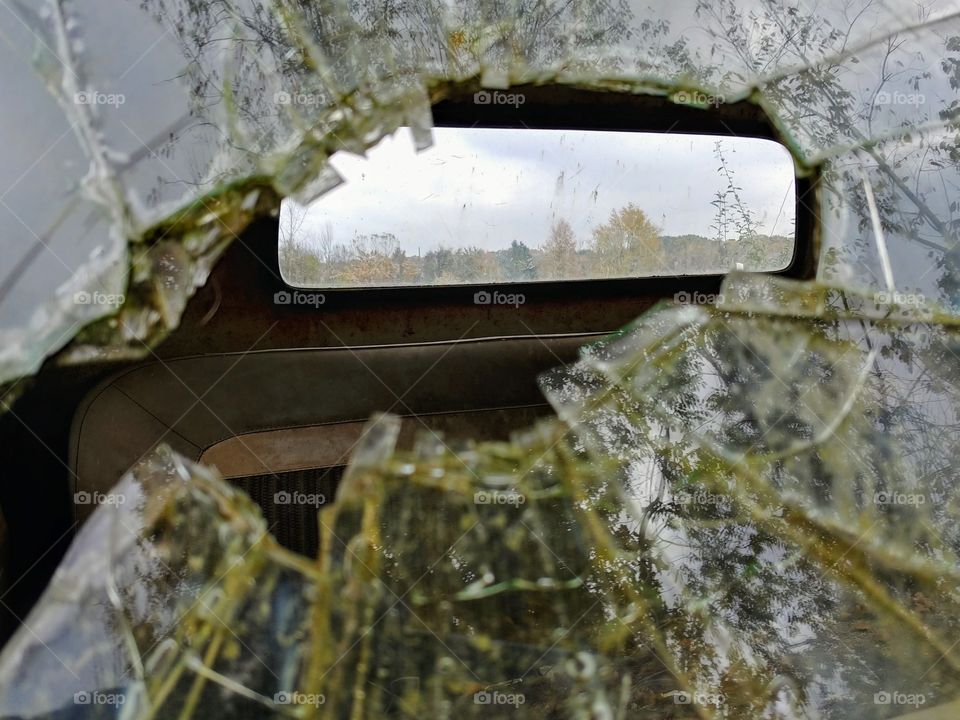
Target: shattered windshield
column 156, row 131
column 741, row 509
column 675, row 543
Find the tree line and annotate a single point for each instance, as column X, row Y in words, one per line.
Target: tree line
column 628, row 244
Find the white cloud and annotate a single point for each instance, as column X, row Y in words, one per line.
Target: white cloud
column 487, row 187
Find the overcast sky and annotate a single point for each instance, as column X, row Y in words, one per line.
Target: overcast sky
column 485, row 187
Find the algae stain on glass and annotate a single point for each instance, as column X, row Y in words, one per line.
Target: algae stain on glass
column 769, row 560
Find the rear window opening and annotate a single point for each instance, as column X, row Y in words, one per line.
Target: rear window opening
column 508, row 205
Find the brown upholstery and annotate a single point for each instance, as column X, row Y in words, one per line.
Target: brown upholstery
column 319, row 397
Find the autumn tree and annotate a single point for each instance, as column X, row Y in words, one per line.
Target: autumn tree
column 436, row 264
column 559, row 259
column 299, row 262
column 627, row 244
column 373, row 262
column 473, row 265
column 517, row 263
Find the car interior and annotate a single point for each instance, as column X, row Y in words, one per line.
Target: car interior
column 512, row 359
column 275, row 395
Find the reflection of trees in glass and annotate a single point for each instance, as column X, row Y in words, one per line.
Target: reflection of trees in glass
column 759, row 562
column 712, row 525
column 913, row 174
column 778, row 445
column 313, row 50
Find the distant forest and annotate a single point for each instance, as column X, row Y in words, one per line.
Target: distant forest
column 627, row 245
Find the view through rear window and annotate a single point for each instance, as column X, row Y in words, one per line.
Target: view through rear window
column 488, row 205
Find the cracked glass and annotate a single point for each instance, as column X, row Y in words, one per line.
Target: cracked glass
column 156, row 131
column 677, row 542
column 743, row 509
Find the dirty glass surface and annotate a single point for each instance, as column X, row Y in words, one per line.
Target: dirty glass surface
column 775, row 536
column 146, row 135
column 500, row 205
column 741, row 510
